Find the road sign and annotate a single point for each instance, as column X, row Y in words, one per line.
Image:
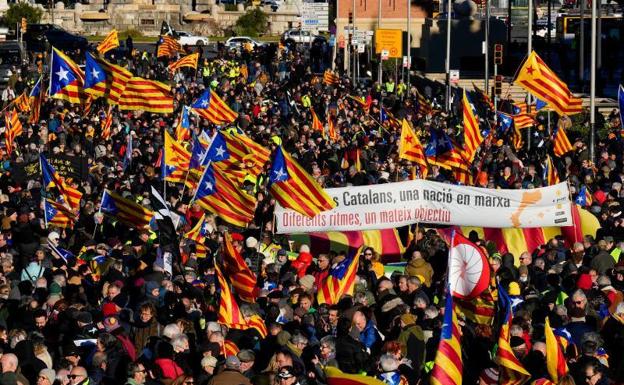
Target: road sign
column 385, row 54
column 361, row 48
column 315, row 16
column 390, row 40
column 454, row 76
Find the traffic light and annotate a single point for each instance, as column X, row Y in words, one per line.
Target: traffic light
column 24, row 24
column 498, row 85
column 498, row 54
column 350, row 17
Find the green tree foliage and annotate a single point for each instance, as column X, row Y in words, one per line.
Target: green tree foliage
column 252, row 23
column 16, row 11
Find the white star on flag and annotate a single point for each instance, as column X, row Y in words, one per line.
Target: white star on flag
column 279, row 174
column 220, row 151
column 62, row 74
column 95, row 73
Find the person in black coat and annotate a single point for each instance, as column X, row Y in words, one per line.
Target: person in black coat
column 350, row 353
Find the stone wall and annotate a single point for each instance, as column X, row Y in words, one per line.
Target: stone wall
column 142, row 15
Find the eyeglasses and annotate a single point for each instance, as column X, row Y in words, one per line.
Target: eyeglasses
column 589, row 377
column 141, row 371
column 578, row 302
column 74, row 376
column 368, row 253
column 189, row 381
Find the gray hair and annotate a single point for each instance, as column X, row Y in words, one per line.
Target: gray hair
column 603, row 280
column 179, row 341
column 299, row 339
column 579, row 294
column 171, row 331
column 388, row 363
column 330, row 341
column 431, row 312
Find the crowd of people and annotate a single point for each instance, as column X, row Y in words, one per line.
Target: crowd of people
column 109, row 313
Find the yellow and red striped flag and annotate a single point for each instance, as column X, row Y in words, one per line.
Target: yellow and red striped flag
column 330, row 78
column 169, row 46
column 21, row 102
column 561, row 143
column 58, row 215
column 537, row 78
column 317, row 125
column 51, row 178
column 185, row 61
column 512, row 372
column 104, row 79
column 256, row 322
column 340, row 280
column 35, row 99
column 331, row 123
column 107, row 123
column 411, row 149
column 472, row 131
column 336, row 377
column 229, row 312
column 243, row 279
column 13, row 124
column 146, row 95
column 125, row 210
column 212, row 108
column 110, row 41
column 294, row 188
column 551, row 176
column 230, row 348
column 555, row 359
column 175, row 160
column 480, row 310
column 448, row 366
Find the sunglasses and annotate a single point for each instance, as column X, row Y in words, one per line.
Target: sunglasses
column 74, row 376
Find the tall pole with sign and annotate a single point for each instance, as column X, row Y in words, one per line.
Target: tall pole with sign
column 448, row 55
column 409, row 44
column 592, row 83
column 529, row 50
column 353, row 46
column 498, row 80
column 486, row 46
column 380, row 67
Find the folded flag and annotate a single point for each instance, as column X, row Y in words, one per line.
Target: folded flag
column 555, row 359
column 229, row 312
column 504, row 122
column 106, row 124
column 146, row 95
column 411, row 149
column 21, row 102
column 35, row 99
column 212, row 108
column 217, row 193
column 200, row 231
column 183, row 129
column 584, row 197
column 58, row 215
column 472, row 132
column 561, row 143
column 340, row 280
column 189, row 61
column 512, row 372
column 125, row 210
column 448, row 365
column 104, row 79
column 243, row 279
column 317, row 125
column 294, row 188
column 111, row 41
column 537, row 78
column 550, row 174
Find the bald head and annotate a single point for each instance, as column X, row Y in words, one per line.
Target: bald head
column 359, row 320
column 9, row 362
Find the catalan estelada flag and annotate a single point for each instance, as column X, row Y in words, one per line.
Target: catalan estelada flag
column 365, row 103
column 550, row 174
column 336, row 377
column 448, row 365
column 168, row 46
column 104, row 79
column 125, row 210
column 243, row 279
column 199, row 232
column 411, row 149
column 217, row 193
column 561, row 143
column 555, row 359
column 237, row 150
column 189, row 61
column 183, row 129
column 521, row 117
column 58, row 215
column 212, row 108
column 424, row 105
column 480, row 310
column 340, row 280
column 35, row 99
column 111, row 41
column 512, row 372
column 330, row 78
column 294, row 188
column 331, row 124
column 146, row 95
column 584, row 197
column 537, row 78
column 21, row 103
column 229, row 312
column 51, row 178
column 13, row 124
column 66, row 79
column 472, row 131
column 175, row 160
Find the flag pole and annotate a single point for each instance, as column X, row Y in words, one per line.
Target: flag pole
column 448, row 55
column 592, row 85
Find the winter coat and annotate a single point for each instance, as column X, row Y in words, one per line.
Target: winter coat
column 420, row 267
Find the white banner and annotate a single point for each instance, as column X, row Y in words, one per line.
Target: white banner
column 398, row 204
